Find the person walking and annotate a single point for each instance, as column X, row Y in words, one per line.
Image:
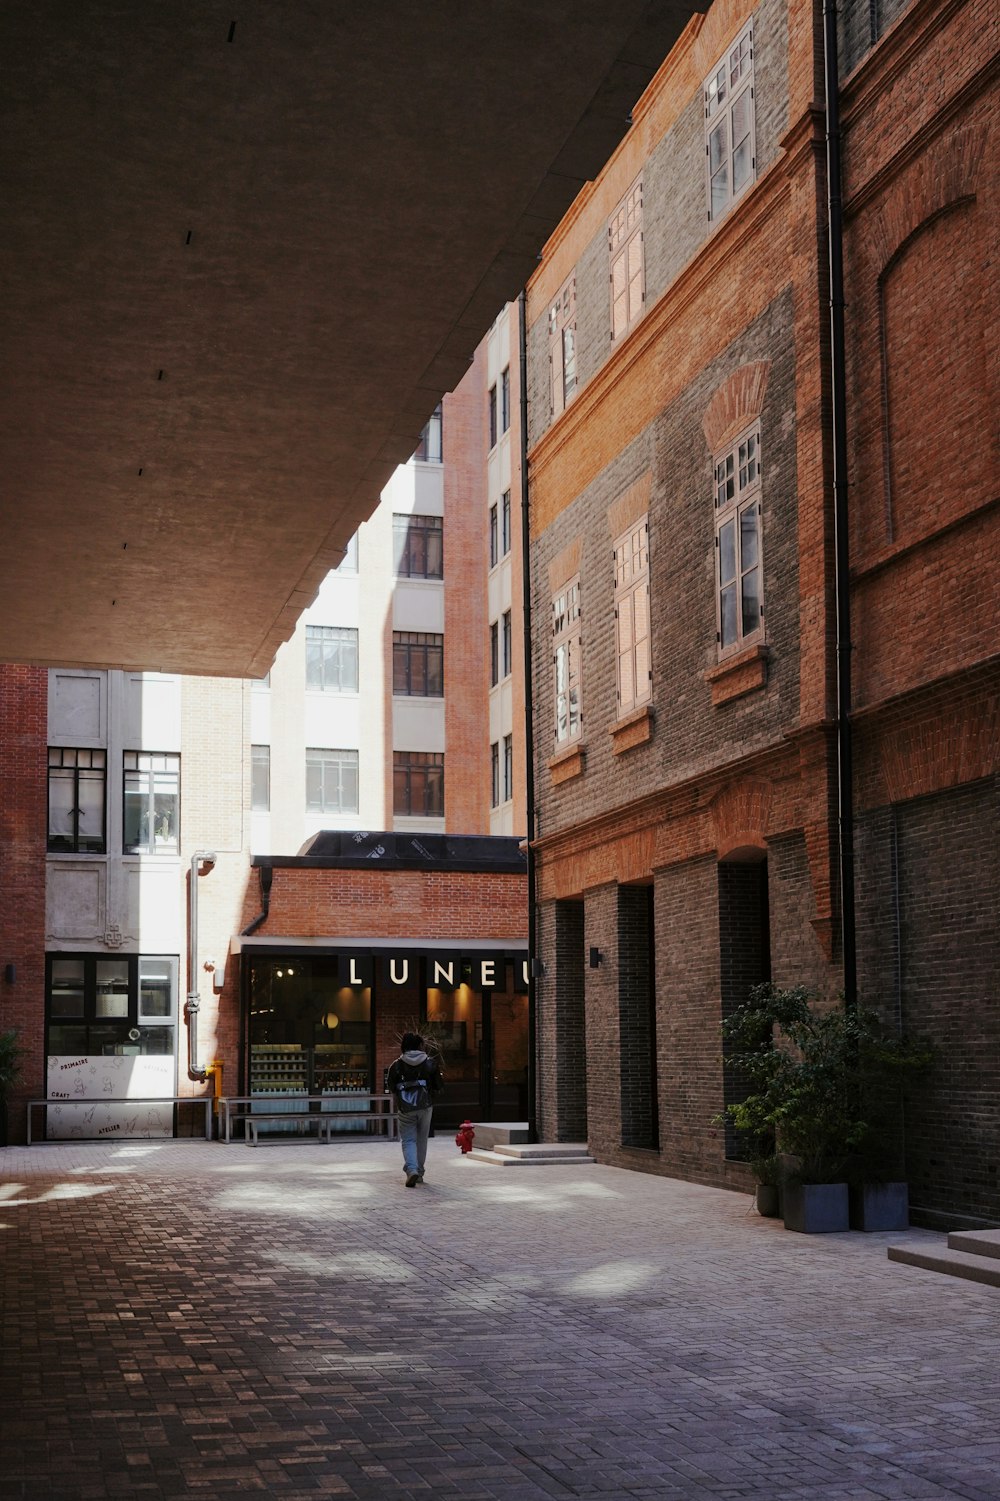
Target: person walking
column 415, row 1078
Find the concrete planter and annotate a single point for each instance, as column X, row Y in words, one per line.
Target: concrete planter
column 880, row 1206
column 766, row 1200
column 816, row 1208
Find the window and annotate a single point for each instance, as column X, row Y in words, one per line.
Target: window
column 505, row 523
column 494, row 653
column 332, row 781
column 77, row 780
column 102, row 1005
column 507, row 653
column 632, row 618
column 495, row 774
column 626, row 257
column 418, row 664
column 332, row 658
column 508, row 768
column 418, row 784
column 729, row 125
column 152, row 803
column 260, row 778
column 349, row 562
column 492, row 407
column 418, row 546
column 430, row 449
column 494, row 537
column 739, row 592
column 505, row 400
column 566, row 652
column 562, row 347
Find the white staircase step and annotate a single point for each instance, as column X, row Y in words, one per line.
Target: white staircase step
column 533, row 1156
column 954, row 1263
column 568, row 1151
column 975, row 1242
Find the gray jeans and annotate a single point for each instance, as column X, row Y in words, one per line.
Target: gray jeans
column 414, row 1129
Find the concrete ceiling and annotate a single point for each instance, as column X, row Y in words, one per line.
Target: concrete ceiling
column 246, row 248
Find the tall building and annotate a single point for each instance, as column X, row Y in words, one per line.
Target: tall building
column 150, row 815
column 685, row 581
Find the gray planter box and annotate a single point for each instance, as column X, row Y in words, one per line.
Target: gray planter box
column 816, row 1208
column 880, row 1206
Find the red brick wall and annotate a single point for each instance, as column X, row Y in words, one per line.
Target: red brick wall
column 23, row 817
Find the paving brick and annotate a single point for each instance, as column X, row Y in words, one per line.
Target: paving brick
column 221, row 1323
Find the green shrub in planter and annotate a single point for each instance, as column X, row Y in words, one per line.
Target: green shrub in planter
column 823, row 1084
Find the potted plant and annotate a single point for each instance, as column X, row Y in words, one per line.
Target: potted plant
column 879, row 1198
column 767, row 1194
column 11, row 1053
column 826, row 1084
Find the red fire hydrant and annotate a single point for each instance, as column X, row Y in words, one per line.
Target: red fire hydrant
column 465, row 1135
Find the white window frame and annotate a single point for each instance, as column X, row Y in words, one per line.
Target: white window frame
column 730, row 112
column 331, row 660
column 738, row 505
column 260, row 778
column 341, row 765
column 633, row 643
column 626, row 263
column 567, row 662
column 563, row 379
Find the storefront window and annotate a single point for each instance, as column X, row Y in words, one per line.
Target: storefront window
column 121, row 1007
column 309, row 1034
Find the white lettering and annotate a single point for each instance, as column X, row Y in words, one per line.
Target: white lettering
column 404, row 977
column 487, row 973
column 524, row 971
column 445, row 972
column 355, row 977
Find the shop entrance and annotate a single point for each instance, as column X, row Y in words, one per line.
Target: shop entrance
column 483, row 1042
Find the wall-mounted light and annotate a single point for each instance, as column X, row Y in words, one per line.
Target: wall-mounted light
column 595, row 958
column 332, row 1021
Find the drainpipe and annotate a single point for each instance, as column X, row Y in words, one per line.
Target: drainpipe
column 201, row 863
column 529, row 739
column 265, row 874
column 838, row 397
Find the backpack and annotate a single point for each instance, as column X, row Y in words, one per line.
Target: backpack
column 415, row 1093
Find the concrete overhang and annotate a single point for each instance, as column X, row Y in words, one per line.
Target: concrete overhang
column 246, row 249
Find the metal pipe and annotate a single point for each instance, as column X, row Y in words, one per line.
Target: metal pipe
column 838, row 399
column 529, row 739
column 265, row 875
column 200, row 858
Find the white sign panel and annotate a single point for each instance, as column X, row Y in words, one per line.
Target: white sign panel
column 108, row 1084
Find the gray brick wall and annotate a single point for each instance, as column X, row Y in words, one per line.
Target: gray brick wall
column 928, row 953
column 560, row 1024
column 637, row 1018
column 690, row 733
column 675, row 212
column 745, row 961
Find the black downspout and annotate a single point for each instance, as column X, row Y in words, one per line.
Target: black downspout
column 529, row 739
column 265, row 874
column 838, row 396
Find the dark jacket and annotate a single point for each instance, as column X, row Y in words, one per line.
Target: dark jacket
column 415, row 1065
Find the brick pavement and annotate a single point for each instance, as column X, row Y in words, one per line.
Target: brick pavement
column 186, row 1319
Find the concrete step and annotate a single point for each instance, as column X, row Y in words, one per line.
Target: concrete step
column 491, row 1134
column 976, row 1242
column 512, row 1157
column 567, row 1150
column 973, row 1268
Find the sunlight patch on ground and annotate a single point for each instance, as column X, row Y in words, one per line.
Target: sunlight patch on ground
column 61, row 1191
column 10, row 1190
column 294, row 1200
column 364, row 1266
column 612, row 1279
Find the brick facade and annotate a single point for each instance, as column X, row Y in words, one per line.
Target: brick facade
column 23, row 815
column 726, row 802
